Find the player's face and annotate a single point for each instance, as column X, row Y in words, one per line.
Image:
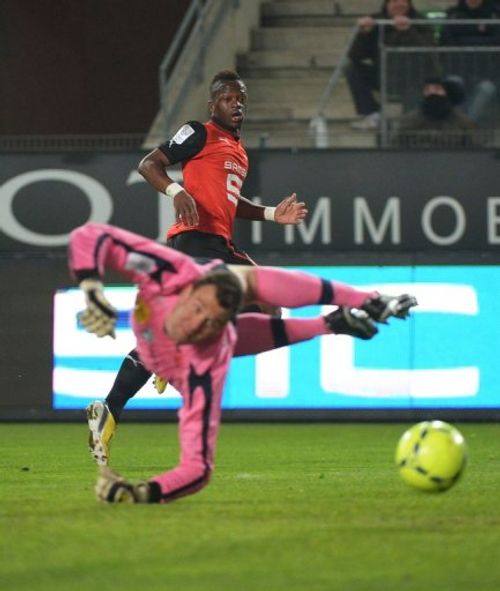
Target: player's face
column 398, row 8
column 228, row 104
column 196, row 317
column 434, row 89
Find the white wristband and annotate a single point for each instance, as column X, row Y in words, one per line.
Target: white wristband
column 269, row 213
column 173, row 189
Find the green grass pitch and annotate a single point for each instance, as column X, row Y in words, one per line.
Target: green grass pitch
column 290, row 507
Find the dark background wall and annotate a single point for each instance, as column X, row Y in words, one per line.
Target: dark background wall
column 26, row 291
column 82, row 67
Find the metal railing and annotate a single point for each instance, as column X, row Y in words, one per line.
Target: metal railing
column 427, row 61
column 72, row 143
column 473, row 71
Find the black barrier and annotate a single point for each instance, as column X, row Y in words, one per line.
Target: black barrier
column 359, row 201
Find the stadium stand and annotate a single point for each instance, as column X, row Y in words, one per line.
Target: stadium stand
column 293, row 49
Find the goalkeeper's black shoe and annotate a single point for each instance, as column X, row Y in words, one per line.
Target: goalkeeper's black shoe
column 382, row 307
column 352, row 322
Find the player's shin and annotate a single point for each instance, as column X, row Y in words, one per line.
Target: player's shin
column 294, row 289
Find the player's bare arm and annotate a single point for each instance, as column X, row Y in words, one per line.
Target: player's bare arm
column 288, row 211
column 153, row 168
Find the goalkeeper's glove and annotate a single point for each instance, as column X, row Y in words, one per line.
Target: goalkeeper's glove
column 113, row 488
column 99, row 317
column 160, row 384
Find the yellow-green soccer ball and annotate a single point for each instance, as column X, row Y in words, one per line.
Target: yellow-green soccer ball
column 431, row 456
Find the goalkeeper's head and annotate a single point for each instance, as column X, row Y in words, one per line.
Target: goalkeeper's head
column 204, row 308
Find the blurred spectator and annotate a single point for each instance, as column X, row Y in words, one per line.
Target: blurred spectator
column 479, row 72
column 436, row 123
column 363, row 71
column 471, row 35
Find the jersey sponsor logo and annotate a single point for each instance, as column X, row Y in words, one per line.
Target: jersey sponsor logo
column 142, row 311
column 241, row 170
column 182, row 135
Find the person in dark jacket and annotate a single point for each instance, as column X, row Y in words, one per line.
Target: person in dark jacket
column 363, row 71
column 471, row 35
column 436, row 123
column 479, row 76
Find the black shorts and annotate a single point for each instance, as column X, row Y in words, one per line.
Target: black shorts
column 200, row 245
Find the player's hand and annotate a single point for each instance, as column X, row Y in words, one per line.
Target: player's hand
column 99, row 317
column 185, row 209
column 113, row 488
column 401, row 22
column 366, row 24
column 290, row 211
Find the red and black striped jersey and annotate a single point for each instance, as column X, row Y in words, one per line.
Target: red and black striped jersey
column 214, row 166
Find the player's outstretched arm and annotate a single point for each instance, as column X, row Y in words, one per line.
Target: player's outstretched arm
column 95, row 247
column 288, row 211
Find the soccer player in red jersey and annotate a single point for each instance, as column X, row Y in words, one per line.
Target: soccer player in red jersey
column 214, row 166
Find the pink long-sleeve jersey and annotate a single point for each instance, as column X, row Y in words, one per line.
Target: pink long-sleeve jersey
column 160, row 274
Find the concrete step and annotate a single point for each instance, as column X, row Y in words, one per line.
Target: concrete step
column 314, row 13
column 292, row 107
column 319, row 7
column 284, row 72
column 300, row 8
column 299, row 135
column 327, row 8
column 288, row 59
column 357, row 7
column 435, row 4
column 294, row 93
column 309, row 20
column 305, row 39
column 285, row 89
column 337, row 109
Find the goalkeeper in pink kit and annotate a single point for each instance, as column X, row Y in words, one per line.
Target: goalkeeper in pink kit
column 188, row 329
